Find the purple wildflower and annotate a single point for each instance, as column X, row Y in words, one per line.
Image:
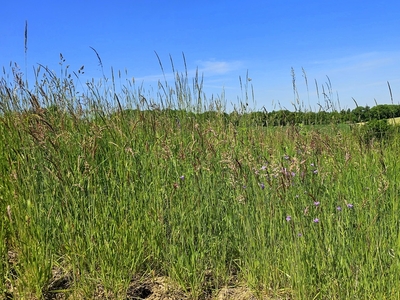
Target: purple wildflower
column 288, row 218
column 315, row 171
column 316, row 220
column 350, row 205
column 182, row 177
column 317, row 203
column 262, row 186
column 338, row 208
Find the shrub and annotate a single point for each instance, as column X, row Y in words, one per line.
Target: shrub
column 377, row 130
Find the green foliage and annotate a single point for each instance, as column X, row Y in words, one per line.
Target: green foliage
column 285, row 117
column 377, row 130
column 361, row 114
column 385, row 111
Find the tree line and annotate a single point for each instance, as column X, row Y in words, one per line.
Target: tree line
column 357, row 115
column 281, row 117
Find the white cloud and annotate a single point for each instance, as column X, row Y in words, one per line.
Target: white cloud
column 359, row 63
column 207, row 68
column 155, row 78
column 213, row 67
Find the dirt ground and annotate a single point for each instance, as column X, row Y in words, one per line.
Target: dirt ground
column 158, row 288
column 61, row 287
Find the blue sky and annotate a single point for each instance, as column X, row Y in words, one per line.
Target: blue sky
column 355, row 43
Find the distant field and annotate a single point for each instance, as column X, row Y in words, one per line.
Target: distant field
column 394, row 121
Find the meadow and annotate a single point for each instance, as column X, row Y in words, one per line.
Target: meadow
column 118, row 196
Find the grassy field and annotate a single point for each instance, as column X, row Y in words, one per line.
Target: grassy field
column 99, row 202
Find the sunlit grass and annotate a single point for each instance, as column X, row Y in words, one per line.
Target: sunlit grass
column 394, row 121
column 97, row 194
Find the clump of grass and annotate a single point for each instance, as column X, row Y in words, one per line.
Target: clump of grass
column 98, row 190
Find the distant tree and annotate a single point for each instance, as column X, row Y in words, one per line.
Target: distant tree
column 345, row 115
column 259, row 118
column 361, row 114
column 323, row 117
column 385, row 111
column 310, row 118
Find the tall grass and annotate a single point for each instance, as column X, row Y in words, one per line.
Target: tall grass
column 100, row 188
